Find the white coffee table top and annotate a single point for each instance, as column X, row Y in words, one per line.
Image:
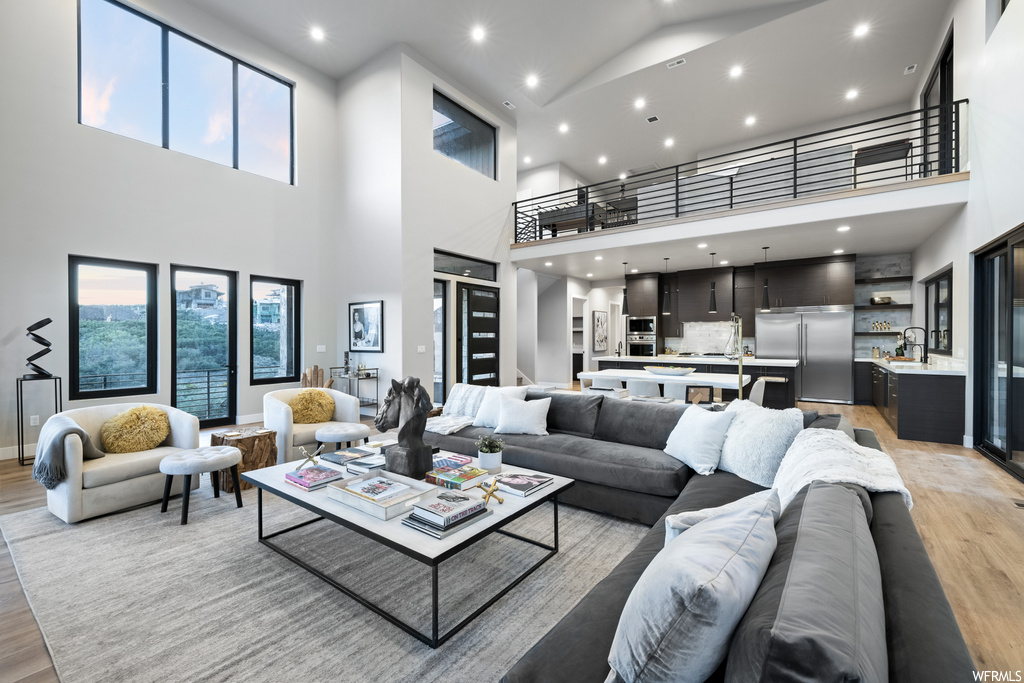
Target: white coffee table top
column 392, row 532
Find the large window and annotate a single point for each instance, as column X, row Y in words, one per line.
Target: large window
column 113, row 348
column 464, row 137
column 275, row 330
column 143, row 79
column 939, row 313
column 454, row 264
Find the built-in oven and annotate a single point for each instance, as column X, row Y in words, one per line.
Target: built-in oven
column 641, row 344
column 644, row 325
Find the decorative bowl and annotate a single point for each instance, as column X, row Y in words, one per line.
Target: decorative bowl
column 668, row 370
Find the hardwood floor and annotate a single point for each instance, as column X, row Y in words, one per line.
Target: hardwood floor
column 962, row 507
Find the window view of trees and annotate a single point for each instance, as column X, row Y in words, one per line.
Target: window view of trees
column 112, row 346
column 203, row 344
column 275, row 336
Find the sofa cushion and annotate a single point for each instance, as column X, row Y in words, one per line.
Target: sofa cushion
column 818, row 614
column 758, row 439
column 681, row 521
column 117, row 467
column 520, row 417
column 636, row 423
column 137, row 429
column 679, row 617
column 574, row 414
column 490, row 407
column 698, row 438
column 311, row 406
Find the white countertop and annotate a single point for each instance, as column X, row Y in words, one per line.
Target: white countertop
column 703, row 360
column 721, row 380
column 916, row 369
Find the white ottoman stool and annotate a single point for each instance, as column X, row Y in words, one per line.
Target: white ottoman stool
column 338, row 432
column 196, row 461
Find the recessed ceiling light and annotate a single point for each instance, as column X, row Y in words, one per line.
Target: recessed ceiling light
column 861, row 30
column 639, row 103
column 478, row 34
column 532, row 81
column 702, row 245
column 599, row 258
column 548, row 263
column 563, row 128
column 750, row 120
column 635, row 270
column 843, row 228
column 736, row 71
column 590, row 275
column 622, row 176
column 669, row 142
column 602, row 160
column 852, row 93
column 527, row 160
column 723, row 263
column 316, row 33
column 838, row 251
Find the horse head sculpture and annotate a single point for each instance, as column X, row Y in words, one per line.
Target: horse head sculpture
column 405, row 407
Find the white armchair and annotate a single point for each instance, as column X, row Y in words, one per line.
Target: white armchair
column 117, row 480
column 277, row 415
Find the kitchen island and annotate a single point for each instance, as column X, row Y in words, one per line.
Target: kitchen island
column 920, row 402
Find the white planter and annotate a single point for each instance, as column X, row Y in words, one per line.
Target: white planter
column 489, row 461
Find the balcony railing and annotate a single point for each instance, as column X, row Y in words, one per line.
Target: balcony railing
column 203, row 393
column 917, row 144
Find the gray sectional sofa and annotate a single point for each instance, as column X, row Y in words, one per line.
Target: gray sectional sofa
column 613, row 450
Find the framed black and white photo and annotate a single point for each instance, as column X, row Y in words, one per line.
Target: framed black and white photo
column 600, row 329
column 366, row 327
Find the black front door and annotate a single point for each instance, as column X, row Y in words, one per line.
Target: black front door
column 477, row 336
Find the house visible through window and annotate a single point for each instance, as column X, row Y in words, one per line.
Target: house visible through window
column 143, row 79
column 464, row 137
column 113, row 327
column 275, row 330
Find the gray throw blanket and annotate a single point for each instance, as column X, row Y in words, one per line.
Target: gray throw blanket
column 49, row 469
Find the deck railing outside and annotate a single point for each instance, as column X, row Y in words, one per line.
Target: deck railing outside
column 917, row 144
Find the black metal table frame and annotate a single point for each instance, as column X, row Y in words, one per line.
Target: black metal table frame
column 58, row 406
column 435, row 639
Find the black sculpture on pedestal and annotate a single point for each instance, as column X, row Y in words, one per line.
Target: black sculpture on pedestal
column 406, row 407
column 39, row 373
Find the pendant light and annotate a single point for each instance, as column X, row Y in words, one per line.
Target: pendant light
column 766, row 306
column 664, row 299
column 713, row 306
column 625, row 302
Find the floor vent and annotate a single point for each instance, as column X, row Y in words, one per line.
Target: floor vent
column 1018, row 503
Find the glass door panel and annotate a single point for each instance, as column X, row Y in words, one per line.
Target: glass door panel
column 440, row 340
column 1016, row 404
column 993, row 348
column 204, row 352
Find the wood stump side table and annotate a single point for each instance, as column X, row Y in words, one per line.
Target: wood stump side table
column 259, row 450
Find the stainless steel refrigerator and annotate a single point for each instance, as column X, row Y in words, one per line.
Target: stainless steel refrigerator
column 822, row 342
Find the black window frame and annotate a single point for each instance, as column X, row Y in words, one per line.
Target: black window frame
column 1003, row 5
column 75, row 393
column 479, row 269
column 297, row 331
column 494, row 129
column 166, row 30
column 931, row 312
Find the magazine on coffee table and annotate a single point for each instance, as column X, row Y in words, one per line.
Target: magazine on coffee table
column 311, row 478
column 413, row 522
column 378, row 489
column 520, row 483
column 447, row 508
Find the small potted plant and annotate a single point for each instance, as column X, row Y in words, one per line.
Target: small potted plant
column 489, row 453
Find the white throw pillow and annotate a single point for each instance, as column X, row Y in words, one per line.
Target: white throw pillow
column 698, row 437
column 681, row 521
column 517, row 416
column 678, row 619
column 757, row 440
column 464, row 399
column 487, row 415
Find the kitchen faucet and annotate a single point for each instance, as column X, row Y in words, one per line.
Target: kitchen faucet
column 924, row 347
column 618, row 351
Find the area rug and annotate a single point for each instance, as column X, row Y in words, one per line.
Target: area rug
column 136, row 596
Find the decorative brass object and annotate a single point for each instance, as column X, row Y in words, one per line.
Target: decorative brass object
column 310, row 457
column 490, row 492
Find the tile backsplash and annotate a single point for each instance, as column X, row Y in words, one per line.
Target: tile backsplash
column 703, row 338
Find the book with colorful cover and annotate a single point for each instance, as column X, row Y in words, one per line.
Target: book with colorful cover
column 460, row 479
column 413, row 522
column 378, row 489
column 452, row 460
column 447, row 507
column 364, row 465
column 314, row 477
column 520, row 483
column 346, row 455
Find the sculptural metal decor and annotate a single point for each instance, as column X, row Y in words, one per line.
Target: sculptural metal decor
column 39, row 373
column 406, row 406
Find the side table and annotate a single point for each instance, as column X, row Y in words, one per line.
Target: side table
column 259, row 450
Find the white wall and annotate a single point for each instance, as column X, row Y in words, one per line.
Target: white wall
column 553, row 337
column 526, row 322
column 66, row 188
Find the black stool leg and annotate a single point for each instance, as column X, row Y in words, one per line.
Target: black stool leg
column 167, row 493
column 238, row 488
column 215, row 481
column 184, row 498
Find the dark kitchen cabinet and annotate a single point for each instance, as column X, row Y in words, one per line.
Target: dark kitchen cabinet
column 892, row 409
column 695, row 294
column 839, row 283
column 808, row 282
column 668, row 320
column 743, row 295
column 862, row 382
column 921, row 407
column 879, row 388
column 642, row 291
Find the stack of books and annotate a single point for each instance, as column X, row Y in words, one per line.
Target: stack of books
column 366, row 464
column 346, row 455
column 446, row 513
column 521, row 484
column 311, row 478
column 379, row 490
column 459, row 479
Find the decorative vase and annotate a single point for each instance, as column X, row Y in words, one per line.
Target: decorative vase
column 489, row 461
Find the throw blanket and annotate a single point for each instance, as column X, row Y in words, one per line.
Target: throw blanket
column 448, row 424
column 48, row 469
column 831, row 456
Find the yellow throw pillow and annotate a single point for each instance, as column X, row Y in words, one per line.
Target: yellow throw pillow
column 312, row 406
column 134, row 430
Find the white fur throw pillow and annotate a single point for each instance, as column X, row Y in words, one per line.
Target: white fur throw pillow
column 523, row 417
column 757, row 440
column 487, row 415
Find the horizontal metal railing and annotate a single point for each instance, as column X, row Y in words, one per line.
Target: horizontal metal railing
column 203, row 393
column 124, row 380
column 917, row 144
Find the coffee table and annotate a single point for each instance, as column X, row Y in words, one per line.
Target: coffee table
column 414, row 544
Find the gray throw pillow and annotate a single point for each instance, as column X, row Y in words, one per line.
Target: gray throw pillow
column 818, row 614
column 681, row 521
column 698, row 438
column 680, row 615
